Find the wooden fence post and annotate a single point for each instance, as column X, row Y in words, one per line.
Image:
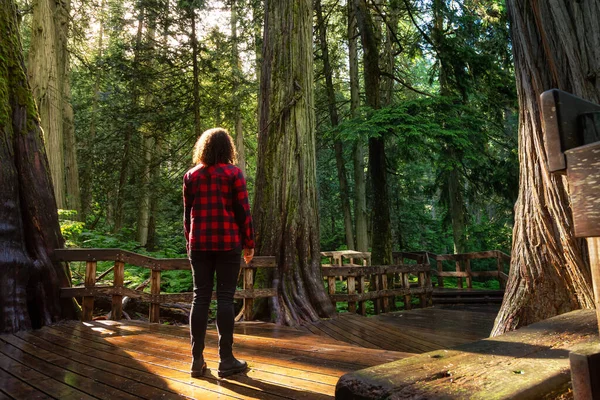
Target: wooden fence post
column 440, row 268
column 331, row 288
column 351, row 290
column 385, row 300
column 422, row 284
column 406, row 285
column 155, row 291
column 468, row 270
column 87, row 307
column 362, row 305
column 499, row 266
column 248, row 286
column 459, row 280
column 117, row 299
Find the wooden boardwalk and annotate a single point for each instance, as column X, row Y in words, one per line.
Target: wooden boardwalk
column 133, row 360
column 415, row 331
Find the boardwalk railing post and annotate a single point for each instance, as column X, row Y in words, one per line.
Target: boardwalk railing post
column 385, row 300
column 406, row 285
column 331, row 288
column 117, row 299
column 87, row 311
column 468, row 271
column 362, row 305
column 422, row 296
column 351, row 290
column 155, row 292
column 248, row 287
column 459, row 280
column 440, row 268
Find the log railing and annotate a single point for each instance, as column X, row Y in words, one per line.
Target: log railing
column 462, row 265
column 156, row 266
column 380, row 284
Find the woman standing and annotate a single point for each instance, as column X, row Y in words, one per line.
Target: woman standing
column 218, row 225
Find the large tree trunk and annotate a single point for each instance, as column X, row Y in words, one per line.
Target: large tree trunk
column 236, row 72
column 29, row 232
column 555, row 45
column 73, row 197
column 148, row 143
column 382, row 231
column 89, row 154
column 360, row 199
column 334, row 119
column 45, row 77
column 285, row 203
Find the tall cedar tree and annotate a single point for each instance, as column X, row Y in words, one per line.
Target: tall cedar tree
column 382, row 230
column 555, row 45
column 285, row 203
column 29, row 233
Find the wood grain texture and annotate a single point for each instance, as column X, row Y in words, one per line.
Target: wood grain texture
column 583, row 172
column 529, row 363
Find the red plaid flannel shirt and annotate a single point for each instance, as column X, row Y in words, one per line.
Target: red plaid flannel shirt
column 216, row 209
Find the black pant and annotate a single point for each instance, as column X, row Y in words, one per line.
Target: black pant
column 204, row 265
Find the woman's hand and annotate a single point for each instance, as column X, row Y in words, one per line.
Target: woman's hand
column 248, row 255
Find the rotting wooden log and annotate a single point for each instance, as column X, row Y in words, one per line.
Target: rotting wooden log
column 528, row 363
column 90, row 281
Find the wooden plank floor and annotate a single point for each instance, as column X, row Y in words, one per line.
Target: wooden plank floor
column 133, row 360
column 415, row 331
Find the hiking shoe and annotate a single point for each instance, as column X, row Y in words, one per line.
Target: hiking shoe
column 231, row 366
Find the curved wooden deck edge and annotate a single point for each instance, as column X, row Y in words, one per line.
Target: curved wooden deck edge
column 532, row 362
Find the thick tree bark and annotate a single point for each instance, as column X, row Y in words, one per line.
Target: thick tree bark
column 389, row 54
column 73, row 196
column 382, row 231
column 555, row 45
column 285, row 202
column 236, row 72
column 45, row 77
column 29, row 232
column 334, row 119
column 360, row 199
column 89, row 155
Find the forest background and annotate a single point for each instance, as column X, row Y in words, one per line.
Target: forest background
column 145, row 78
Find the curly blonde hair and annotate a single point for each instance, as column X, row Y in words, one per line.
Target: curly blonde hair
column 215, row 146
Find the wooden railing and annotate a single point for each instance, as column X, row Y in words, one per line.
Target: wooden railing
column 156, row 265
column 381, row 290
column 462, row 265
column 380, row 284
